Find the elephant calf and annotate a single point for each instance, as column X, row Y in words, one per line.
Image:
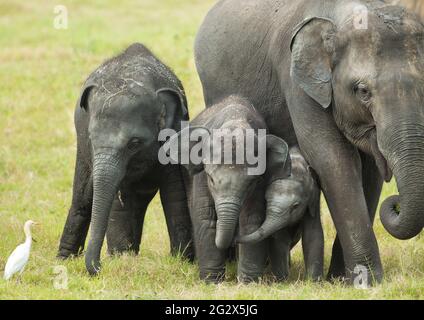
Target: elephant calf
column 220, row 187
column 292, row 212
column 123, row 106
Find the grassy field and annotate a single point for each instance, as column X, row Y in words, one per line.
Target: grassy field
column 41, row 72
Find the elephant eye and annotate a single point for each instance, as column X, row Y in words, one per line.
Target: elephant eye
column 363, row 92
column 134, row 144
column 296, row 205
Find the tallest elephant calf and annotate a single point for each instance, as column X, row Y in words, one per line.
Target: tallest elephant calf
column 122, row 108
column 344, row 79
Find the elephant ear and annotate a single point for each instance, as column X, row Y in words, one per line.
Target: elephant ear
column 312, row 48
column 85, row 93
column 190, row 140
column 278, row 163
column 175, row 105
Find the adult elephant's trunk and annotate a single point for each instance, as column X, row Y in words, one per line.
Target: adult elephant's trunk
column 108, row 172
column 403, row 215
column 228, row 213
column 275, row 220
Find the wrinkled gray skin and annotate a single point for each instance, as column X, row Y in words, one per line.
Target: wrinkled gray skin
column 219, row 191
column 351, row 98
column 123, row 106
column 292, row 212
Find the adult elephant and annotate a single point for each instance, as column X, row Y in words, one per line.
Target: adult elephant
column 343, row 79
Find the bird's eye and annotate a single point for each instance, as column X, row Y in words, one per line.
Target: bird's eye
column 134, row 144
column 363, row 92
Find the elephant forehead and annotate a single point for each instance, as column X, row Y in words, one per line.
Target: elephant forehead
column 236, row 125
column 378, row 26
column 117, row 70
column 227, row 171
column 285, row 187
column 232, row 142
column 283, row 200
column 112, row 132
column 127, row 83
column 124, row 102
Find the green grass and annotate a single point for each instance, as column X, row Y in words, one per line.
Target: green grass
column 41, row 72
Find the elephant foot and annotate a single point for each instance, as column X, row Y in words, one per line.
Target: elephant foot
column 117, row 251
column 337, row 271
column 362, row 276
column 68, row 252
column 280, row 271
column 249, row 278
column 315, row 277
column 280, row 276
column 64, row 254
column 212, row 277
column 118, row 245
column 335, row 275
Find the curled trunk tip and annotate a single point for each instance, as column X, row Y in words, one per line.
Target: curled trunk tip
column 391, row 217
column 92, row 264
column 252, row 238
column 224, row 238
column 275, row 220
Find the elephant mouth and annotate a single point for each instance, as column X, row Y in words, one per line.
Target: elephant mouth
column 381, row 162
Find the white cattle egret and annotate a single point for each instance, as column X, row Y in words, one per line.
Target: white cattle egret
column 19, row 257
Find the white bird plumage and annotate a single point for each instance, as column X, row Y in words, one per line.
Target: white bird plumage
column 20, row 256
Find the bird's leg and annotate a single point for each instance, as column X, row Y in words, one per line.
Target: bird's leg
column 19, row 277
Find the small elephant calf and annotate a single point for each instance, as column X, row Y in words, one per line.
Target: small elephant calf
column 220, row 187
column 292, row 212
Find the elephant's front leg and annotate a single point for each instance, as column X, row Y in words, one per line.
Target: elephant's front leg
column 173, row 192
column 338, row 165
column 252, row 257
column 79, row 216
column 342, row 187
column 279, row 253
column 126, row 220
column 372, row 184
column 211, row 259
